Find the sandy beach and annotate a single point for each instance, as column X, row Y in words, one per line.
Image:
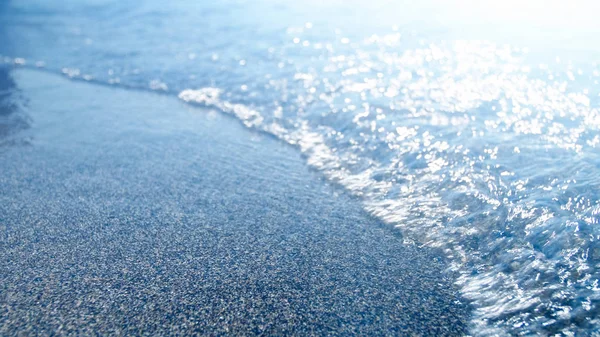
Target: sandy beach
column 142, row 215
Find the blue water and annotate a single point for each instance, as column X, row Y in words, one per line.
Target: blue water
column 472, row 128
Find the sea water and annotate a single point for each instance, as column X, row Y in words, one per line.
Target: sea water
column 471, row 127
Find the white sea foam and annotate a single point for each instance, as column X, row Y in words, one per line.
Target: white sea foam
column 481, row 150
column 438, row 161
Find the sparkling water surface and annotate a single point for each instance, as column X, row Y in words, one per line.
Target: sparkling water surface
column 472, row 127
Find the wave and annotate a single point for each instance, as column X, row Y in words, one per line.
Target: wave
column 475, row 155
column 463, row 146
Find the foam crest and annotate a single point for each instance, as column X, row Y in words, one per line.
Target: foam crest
column 455, row 146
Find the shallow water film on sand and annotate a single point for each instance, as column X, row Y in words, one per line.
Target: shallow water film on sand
column 472, row 128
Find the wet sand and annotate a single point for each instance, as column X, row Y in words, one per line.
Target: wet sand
column 131, row 213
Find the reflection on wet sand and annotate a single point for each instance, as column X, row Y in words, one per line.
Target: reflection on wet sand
column 12, row 117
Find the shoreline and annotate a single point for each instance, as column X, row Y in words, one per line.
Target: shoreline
column 134, row 213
